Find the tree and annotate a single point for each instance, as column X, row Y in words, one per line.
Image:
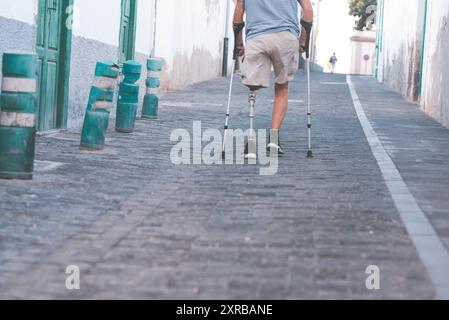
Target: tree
column 365, row 11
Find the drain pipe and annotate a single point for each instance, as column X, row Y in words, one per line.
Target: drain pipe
column 378, row 38
column 153, row 45
column 423, row 49
column 224, row 70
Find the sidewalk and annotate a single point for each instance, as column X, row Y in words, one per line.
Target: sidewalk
column 140, row 227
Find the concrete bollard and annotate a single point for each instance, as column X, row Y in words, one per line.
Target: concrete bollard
column 99, row 106
column 129, row 93
column 128, row 97
column 150, row 108
column 18, row 107
column 131, row 71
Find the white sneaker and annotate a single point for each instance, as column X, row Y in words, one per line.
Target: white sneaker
column 274, row 145
column 248, row 155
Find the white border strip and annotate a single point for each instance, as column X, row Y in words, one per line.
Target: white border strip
column 104, row 83
column 103, row 105
column 19, row 85
column 154, row 74
column 431, row 251
column 15, row 119
column 152, row 90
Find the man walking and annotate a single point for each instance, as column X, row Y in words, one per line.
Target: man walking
column 333, row 61
column 273, row 39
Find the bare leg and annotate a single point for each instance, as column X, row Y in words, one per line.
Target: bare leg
column 280, row 105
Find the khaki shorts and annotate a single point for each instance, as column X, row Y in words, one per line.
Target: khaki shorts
column 280, row 50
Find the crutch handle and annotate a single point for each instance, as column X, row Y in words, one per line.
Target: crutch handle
column 238, row 28
column 308, row 26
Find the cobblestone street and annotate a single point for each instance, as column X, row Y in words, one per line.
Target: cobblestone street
column 140, row 227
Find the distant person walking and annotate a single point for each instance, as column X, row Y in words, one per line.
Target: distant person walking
column 333, row 62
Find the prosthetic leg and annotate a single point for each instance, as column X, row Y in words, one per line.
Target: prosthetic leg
column 251, row 147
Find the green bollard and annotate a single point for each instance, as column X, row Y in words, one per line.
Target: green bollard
column 127, row 103
column 154, row 64
column 96, row 120
column 97, row 94
column 107, row 69
column 131, row 71
column 94, row 130
column 153, row 82
column 127, row 107
column 129, row 93
column 126, row 117
column 150, row 109
column 18, row 107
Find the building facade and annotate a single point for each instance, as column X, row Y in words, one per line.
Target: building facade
column 363, row 49
column 69, row 36
column 412, row 49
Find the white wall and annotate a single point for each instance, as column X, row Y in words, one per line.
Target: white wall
column 183, row 26
column 363, row 43
column 94, row 22
column 400, row 59
column 189, row 36
column 144, row 32
column 98, row 20
column 22, row 10
column 399, row 23
column 435, row 95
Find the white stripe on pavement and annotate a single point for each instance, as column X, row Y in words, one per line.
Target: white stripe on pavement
column 430, row 249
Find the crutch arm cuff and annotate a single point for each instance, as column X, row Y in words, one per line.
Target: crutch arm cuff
column 238, row 26
column 307, row 25
column 308, row 28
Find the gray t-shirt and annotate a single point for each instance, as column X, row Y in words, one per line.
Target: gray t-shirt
column 270, row 16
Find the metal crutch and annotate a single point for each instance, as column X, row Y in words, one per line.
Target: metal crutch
column 309, row 46
column 228, row 110
column 309, row 113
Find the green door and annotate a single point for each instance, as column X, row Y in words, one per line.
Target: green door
column 53, row 42
column 127, row 40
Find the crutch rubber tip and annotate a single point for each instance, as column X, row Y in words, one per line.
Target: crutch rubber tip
column 223, row 155
column 309, row 154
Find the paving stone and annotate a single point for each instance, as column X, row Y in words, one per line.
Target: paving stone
column 140, row 227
